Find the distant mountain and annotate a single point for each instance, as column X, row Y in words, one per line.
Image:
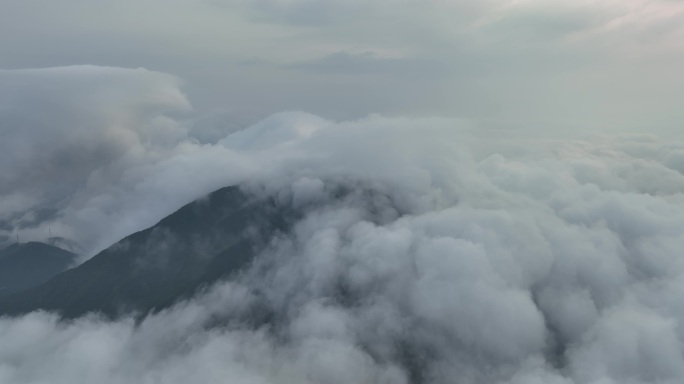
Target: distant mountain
column 26, row 265
column 202, row 242
column 67, row 244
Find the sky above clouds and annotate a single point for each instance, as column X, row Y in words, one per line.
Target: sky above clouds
column 526, row 160
column 580, row 62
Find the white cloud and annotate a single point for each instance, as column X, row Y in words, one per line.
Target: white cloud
column 487, row 255
column 487, row 267
column 495, row 250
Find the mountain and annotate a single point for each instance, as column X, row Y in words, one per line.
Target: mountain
column 67, row 244
column 206, row 240
column 26, row 265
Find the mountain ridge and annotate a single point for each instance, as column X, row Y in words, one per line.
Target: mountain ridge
column 202, row 242
column 26, row 265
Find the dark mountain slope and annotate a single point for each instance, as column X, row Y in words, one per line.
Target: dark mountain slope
column 204, row 241
column 26, row 265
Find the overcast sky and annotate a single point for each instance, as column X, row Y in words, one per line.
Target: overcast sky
column 605, row 62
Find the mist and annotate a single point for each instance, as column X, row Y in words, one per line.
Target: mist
column 458, row 253
column 486, row 191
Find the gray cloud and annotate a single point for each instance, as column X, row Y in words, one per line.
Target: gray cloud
column 590, row 62
column 461, row 252
column 369, row 63
column 533, row 235
column 70, row 130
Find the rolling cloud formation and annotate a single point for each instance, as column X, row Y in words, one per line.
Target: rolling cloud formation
column 460, row 253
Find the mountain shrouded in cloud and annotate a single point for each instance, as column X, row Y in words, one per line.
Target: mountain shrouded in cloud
column 209, row 239
column 342, row 191
column 424, row 250
column 27, row 265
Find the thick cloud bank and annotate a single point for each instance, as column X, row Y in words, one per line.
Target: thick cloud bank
column 453, row 254
column 68, row 134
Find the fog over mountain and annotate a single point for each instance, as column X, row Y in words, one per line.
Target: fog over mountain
column 424, row 213
column 481, row 255
column 24, row 266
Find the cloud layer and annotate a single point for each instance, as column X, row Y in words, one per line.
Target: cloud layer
column 459, row 253
column 564, row 61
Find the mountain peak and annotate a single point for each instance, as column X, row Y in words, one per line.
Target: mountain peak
column 26, row 265
column 202, row 242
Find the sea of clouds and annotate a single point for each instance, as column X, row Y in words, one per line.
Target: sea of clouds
column 461, row 253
